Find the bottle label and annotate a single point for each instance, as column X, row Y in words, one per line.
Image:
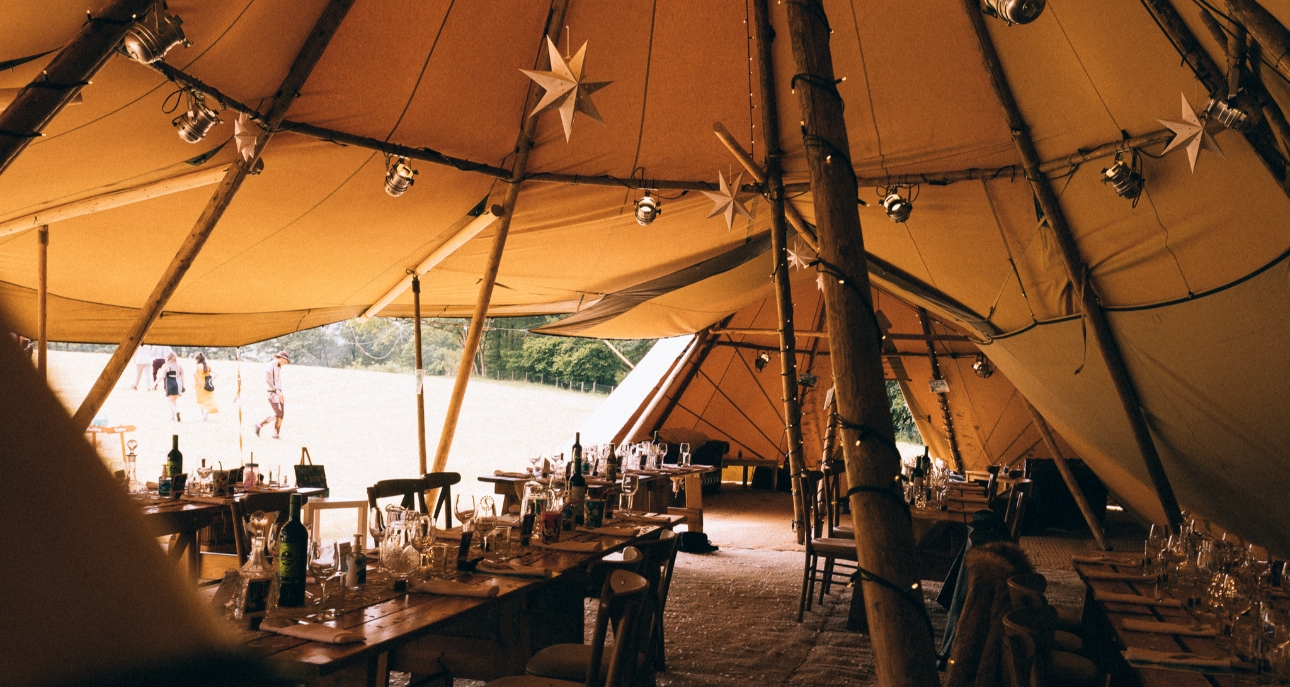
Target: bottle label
column 291, row 565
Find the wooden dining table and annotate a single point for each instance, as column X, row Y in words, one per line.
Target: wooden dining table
column 472, row 638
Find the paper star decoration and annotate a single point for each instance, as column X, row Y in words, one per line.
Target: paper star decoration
column 244, row 134
column 1190, row 132
column 565, row 88
column 797, row 258
column 725, row 201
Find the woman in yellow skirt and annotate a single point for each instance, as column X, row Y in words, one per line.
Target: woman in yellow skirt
column 205, row 387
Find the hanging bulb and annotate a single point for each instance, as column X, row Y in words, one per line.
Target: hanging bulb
column 1126, row 182
column 194, row 124
column 647, row 210
column 1013, row 11
column 762, row 361
column 982, row 366
column 153, row 36
column 898, row 209
column 398, row 177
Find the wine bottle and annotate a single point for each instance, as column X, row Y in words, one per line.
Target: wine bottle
column 175, row 459
column 577, row 483
column 356, row 566
column 163, row 482
column 293, row 556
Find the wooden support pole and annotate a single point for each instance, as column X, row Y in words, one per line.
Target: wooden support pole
column 42, row 304
column 773, row 181
column 941, row 399
column 1082, row 282
column 71, row 70
column 899, row 628
column 805, row 230
column 1069, row 478
column 554, row 26
column 309, row 55
column 703, row 343
column 618, row 353
column 421, row 376
column 1271, row 36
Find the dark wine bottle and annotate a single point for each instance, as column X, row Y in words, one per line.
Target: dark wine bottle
column 293, row 557
column 175, row 459
column 577, row 483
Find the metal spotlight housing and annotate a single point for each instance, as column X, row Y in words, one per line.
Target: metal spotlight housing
column 1238, row 114
column 399, row 177
column 982, row 366
column 153, row 36
column 1014, row 11
column 194, row 124
column 647, row 210
column 762, row 361
column 1124, row 179
column 898, row 208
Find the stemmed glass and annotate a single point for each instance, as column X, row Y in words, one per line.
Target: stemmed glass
column 485, row 519
column 465, row 509
column 423, row 536
column 685, row 454
column 535, row 459
column 631, row 484
column 662, row 455
column 324, row 558
column 376, row 527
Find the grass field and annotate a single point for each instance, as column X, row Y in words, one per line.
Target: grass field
column 361, row 425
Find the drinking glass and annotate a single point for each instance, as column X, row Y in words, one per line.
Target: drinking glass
column 662, row 455
column 485, row 520
column 376, row 527
column 631, row 484
column 503, row 549
column 465, row 509
column 324, row 558
column 535, row 459
column 423, row 536
column 438, row 562
column 685, row 454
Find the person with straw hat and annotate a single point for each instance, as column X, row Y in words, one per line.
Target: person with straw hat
column 273, row 376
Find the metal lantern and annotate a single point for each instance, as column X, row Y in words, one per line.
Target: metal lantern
column 398, row 177
column 1126, row 182
column 898, row 209
column 1014, row 11
column 982, row 366
column 762, row 361
column 153, row 36
column 194, row 124
column 647, row 210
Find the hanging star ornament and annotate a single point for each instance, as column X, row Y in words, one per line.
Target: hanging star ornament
column 565, row 89
column 1190, row 132
column 798, row 257
column 726, row 202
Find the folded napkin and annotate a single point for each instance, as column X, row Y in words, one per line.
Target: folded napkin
column 453, row 588
column 311, row 631
column 1113, row 597
column 1139, row 656
column 504, row 473
column 611, row 531
column 1117, row 576
column 511, row 569
column 1108, row 560
column 1134, row 625
column 642, row 517
column 570, row 546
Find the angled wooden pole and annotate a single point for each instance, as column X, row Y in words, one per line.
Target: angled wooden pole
column 619, row 353
column 309, row 55
column 805, row 230
column 941, row 399
column 902, row 635
column 421, row 375
column 42, row 304
column 1080, row 279
column 1069, row 478
column 71, row 70
column 774, row 182
column 554, row 26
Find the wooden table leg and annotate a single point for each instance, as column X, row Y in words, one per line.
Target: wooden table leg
column 745, row 477
column 378, row 670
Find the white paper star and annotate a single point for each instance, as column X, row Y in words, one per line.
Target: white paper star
column 1192, row 133
column 796, row 257
column 565, row 89
column 726, row 202
column 245, row 132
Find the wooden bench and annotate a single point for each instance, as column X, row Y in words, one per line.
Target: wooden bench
column 746, row 463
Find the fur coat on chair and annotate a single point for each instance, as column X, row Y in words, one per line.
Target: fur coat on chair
column 976, row 658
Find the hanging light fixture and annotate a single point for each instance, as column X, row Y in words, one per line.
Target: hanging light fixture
column 982, row 366
column 1237, row 114
column 647, row 209
column 194, row 124
column 898, row 208
column 1013, row 11
column 153, row 36
column 762, row 361
column 398, row 176
column 1126, row 181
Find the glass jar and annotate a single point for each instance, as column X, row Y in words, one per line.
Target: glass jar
column 399, row 555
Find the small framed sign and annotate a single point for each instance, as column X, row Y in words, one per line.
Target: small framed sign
column 309, row 475
column 939, row 386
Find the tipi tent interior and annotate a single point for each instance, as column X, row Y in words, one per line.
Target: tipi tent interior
column 1066, row 142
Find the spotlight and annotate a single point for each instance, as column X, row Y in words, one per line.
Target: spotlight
column 398, row 176
column 194, row 124
column 982, row 366
column 647, row 210
column 1124, row 179
column 1235, row 114
column 808, row 380
column 762, row 361
column 898, row 209
column 153, row 36
column 1013, row 11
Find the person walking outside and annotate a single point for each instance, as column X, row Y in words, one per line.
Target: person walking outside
column 205, row 380
column 159, row 354
column 273, row 376
column 171, row 378
column 142, row 362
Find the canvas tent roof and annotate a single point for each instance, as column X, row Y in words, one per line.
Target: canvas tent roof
column 1193, row 274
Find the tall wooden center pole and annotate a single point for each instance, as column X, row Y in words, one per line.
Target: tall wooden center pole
column 898, row 624
column 779, row 241
column 1083, row 283
column 42, row 304
column 421, row 376
column 1069, row 478
column 328, row 22
column 554, row 26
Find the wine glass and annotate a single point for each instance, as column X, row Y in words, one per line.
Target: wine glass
column 376, row 527
column 535, row 459
column 465, row 509
column 423, row 535
column 485, row 519
column 662, row 455
column 631, row 484
column 324, row 557
column 685, row 453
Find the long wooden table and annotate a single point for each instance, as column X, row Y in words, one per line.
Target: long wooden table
column 473, row 638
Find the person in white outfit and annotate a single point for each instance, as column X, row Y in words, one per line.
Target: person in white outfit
column 142, row 363
column 277, row 400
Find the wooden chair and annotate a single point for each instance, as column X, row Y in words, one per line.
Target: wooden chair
column 414, row 491
column 1030, row 659
column 832, row 501
column 1018, row 501
column 819, row 549
column 267, row 502
column 621, row 602
column 1028, row 590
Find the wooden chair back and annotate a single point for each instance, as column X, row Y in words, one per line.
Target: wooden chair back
column 1018, row 654
column 621, row 601
column 660, row 559
column 1034, row 628
column 812, row 481
column 242, row 509
column 631, row 560
column 412, row 491
column 832, row 497
column 442, row 481
column 1027, row 590
column 1018, row 501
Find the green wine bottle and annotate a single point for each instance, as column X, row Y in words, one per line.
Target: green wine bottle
column 175, row 459
column 293, row 557
column 577, row 483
